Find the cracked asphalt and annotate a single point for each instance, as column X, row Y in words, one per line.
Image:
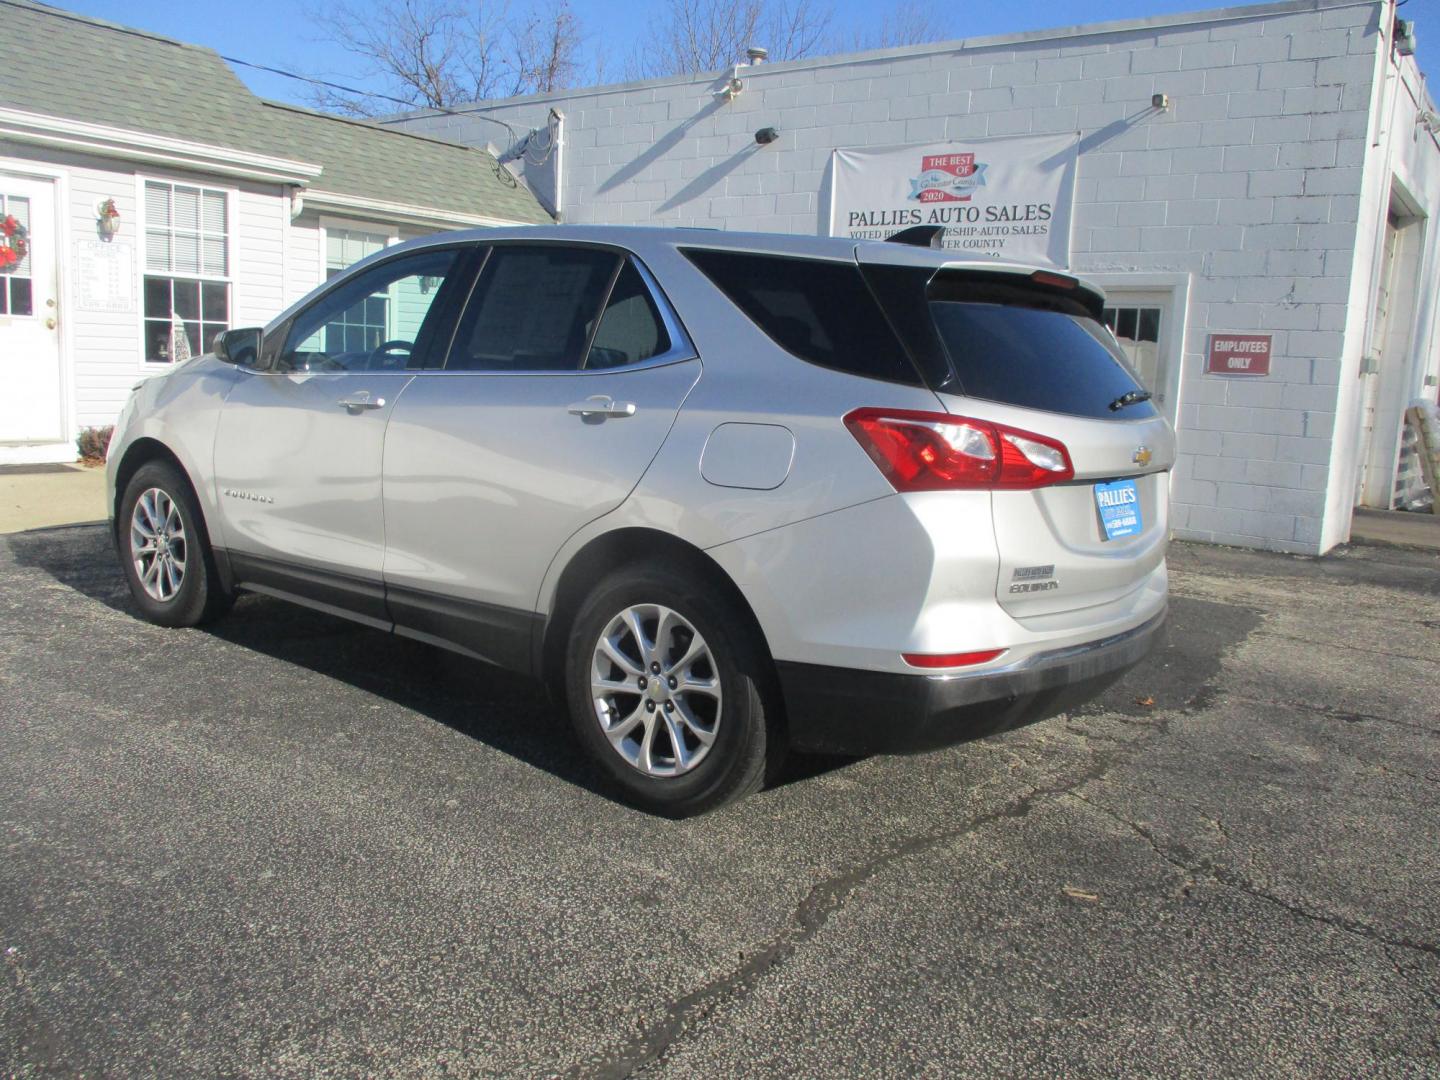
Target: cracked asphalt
column 286, row 846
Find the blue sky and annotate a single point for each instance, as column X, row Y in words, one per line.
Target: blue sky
column 276, row 33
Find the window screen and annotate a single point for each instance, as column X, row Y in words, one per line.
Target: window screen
column 630, row 329
column 819, row 311
column 186, row 230
column 533, row 310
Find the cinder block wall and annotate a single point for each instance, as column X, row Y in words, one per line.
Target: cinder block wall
column 1250, row 184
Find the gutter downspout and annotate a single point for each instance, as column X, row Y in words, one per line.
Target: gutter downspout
column 558, row 142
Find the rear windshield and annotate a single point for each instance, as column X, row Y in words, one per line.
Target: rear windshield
column 1036, row 359
column 820, row 311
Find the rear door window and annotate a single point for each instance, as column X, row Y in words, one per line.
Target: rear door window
column 820, row 311
column 535, row 308
column 631, row 330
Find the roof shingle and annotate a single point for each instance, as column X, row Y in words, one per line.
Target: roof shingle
column 71, row 66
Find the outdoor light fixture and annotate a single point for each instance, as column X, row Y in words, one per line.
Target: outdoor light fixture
column 765, row 136
column 731, row 88
column 1405, row 37
column 1160, row 101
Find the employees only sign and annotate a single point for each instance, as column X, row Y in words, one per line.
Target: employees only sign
column 1239, row 354
column 999, row 198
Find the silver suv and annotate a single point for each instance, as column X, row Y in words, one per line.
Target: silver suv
column 727, row 494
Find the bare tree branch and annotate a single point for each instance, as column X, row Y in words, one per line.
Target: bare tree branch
column 442, row 53
column 909, row 22
column 694, row 36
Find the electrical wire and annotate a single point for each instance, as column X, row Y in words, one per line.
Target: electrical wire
column 315, row 81
column 70, row 16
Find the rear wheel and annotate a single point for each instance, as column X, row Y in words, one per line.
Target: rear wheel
column 666, row 686
column 165, row 551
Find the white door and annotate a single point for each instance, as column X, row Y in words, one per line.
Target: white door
column 1371, row 366
column 1140, row 321
column 31, row 402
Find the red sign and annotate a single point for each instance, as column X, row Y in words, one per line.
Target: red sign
column 1239, row 354
column 947, row 178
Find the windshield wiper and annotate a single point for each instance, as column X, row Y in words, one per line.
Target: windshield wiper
column 1134, row 397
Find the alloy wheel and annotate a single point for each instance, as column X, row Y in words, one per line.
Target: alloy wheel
column 656, row 690
column 158, row 544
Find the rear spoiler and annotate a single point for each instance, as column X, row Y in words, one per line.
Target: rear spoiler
column 1008, row 281
column 1019, row 285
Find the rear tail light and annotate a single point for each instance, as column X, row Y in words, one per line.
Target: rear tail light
column 922, row 451
column 959, row 659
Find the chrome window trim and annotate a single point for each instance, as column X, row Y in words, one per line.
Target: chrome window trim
column 679, row 340
column 663, row 360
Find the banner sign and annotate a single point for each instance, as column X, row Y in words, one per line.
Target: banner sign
column 1239, row 354
column 1004, row 198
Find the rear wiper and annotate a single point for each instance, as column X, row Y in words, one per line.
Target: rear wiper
column 1133, row 397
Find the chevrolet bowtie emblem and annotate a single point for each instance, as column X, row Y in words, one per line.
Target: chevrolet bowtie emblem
column 1142, row 455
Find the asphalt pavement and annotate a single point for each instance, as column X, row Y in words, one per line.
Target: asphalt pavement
column 288, row 846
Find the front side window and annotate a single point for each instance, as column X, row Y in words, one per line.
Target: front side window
column 535, row 309
column 364, row 322
column 187, row 269
column 374, row 321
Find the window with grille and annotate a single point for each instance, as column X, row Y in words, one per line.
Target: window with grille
column 17, row 295
column 1137, row 329
column 187, row 270
column 365, row 325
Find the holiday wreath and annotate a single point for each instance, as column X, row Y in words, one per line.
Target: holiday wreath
column 14, row 242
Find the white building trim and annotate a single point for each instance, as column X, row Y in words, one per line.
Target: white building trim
column 399, row 213
column 106, row 141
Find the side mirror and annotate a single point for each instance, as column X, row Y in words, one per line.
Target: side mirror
column 241, row 347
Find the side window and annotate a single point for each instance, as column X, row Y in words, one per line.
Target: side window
column 534, row 309
column 373, row 321
column 630, row 329
column 817, row 310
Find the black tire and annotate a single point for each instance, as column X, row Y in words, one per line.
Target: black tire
column 734, row 765
column 200, row 596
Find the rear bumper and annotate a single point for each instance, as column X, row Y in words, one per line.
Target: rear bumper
column 845, row 711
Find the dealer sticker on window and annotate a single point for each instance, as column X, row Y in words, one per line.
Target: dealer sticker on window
column 1119, row 505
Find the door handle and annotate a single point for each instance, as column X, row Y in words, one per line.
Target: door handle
column 602, row 406
column 360, row 401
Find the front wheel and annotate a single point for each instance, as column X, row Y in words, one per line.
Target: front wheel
column 164, row 549
column 666, row 686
